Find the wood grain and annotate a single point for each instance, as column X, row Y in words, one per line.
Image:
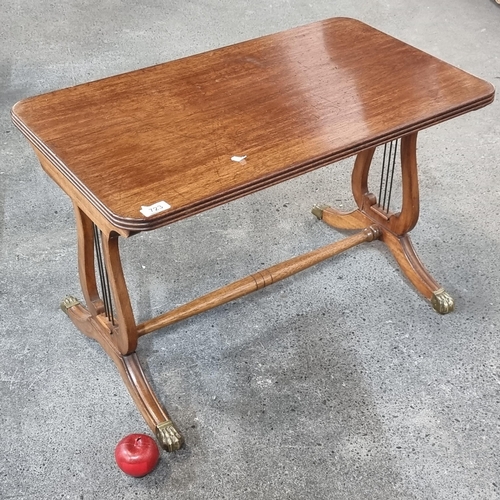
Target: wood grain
column 291, row 102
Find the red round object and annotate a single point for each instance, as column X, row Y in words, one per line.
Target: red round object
column 137, row 454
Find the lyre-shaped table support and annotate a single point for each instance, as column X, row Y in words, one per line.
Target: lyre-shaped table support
column 394, row 227
column 113, row 325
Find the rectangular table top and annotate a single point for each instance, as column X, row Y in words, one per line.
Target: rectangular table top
column 289, row 102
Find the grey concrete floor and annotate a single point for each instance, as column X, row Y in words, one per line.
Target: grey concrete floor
column 339, row 383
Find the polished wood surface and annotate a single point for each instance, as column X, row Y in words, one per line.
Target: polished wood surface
column 289, row 102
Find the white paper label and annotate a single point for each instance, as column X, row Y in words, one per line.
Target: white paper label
column 238, row 158
column 154, row 209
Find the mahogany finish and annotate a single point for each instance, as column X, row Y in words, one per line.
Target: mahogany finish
column 289, row 103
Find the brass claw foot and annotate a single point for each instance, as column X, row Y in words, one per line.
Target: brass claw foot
column 69, row 302
column 442, row 302
column 317, row 211
column 168, row 436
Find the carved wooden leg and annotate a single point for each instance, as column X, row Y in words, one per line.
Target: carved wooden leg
column 402, row 249
column 340, row 219
column 394, row 227
column 115, row 331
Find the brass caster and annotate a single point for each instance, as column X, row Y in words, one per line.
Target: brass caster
column 317, row 210
column 168, row 436
column 69, row 302
column 442, row 302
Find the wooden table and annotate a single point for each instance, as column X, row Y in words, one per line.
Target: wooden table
column 147, row 148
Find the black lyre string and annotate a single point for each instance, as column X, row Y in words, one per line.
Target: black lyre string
column 382, row 175
column 387, row 175
column 100, row 265
column 386, row 184
column 103, row 277
column 392, row 173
